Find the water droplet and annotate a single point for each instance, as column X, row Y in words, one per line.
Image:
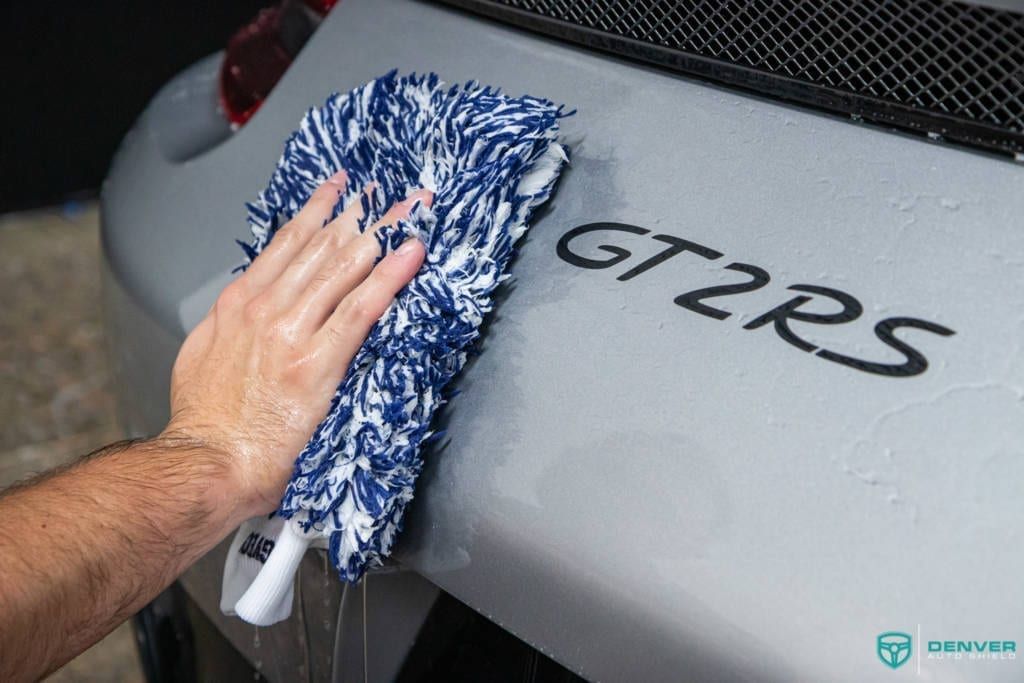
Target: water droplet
column 905, row 202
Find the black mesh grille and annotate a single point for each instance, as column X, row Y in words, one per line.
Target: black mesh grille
column 951, row 69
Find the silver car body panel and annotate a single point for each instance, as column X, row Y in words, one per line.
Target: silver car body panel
column 641, row 491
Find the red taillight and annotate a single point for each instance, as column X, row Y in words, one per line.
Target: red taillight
column 321, row 6
column 261, row 51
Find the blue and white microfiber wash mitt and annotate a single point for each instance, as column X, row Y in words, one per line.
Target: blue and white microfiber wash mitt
column 490, row 160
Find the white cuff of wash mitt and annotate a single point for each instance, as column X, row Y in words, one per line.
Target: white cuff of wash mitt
column 264, row 582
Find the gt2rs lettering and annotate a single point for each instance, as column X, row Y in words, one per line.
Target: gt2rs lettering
column 621, row 254
column 915, row 364
column 850, row 308
column 692, row 300
column 789, row 311
column 677, row 246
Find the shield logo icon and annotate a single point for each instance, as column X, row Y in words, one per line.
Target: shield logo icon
column 894, row 648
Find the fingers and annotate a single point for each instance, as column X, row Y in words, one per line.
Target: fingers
column 327, row 247
column 347, row 222
column 336, row 343
column 326, row 253
column 291, row 239
column 337, row 273
column 401, row 210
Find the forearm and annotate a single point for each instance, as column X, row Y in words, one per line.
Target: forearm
column 84, row 548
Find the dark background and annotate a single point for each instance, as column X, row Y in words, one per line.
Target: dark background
column 77, row 74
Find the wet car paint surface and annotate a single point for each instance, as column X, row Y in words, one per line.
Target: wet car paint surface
column 634, row 487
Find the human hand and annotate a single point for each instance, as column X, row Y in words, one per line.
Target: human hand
column 256, row 376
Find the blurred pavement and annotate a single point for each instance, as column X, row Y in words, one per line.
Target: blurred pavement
column 55, row 400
